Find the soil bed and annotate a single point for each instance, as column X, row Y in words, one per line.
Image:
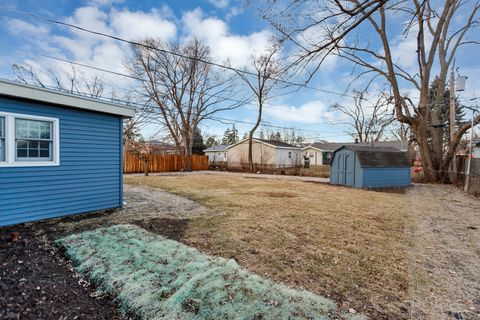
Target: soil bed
column 36, row 283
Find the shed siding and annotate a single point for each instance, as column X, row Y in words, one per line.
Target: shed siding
column 386, row 177
column 89, row 176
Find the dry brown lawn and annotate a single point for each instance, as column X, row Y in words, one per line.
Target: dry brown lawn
column 343, row 243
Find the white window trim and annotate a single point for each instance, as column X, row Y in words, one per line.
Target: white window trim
column 10, row 160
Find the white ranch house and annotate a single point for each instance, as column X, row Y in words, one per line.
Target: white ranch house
column 265, row 153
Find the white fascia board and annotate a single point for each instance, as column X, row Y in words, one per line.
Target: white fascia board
column 311, row 147
column 24, row 91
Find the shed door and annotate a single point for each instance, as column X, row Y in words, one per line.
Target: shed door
column 340, row 169
column 348, row 174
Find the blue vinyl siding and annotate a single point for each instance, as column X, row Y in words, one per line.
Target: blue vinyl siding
column 89, row 177
column 386, row 177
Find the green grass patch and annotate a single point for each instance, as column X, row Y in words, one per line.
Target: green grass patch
column 156, row 278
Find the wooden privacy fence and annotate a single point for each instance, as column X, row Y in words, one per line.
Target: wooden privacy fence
column 134, row 163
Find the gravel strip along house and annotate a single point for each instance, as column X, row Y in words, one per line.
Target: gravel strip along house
column 60, row 153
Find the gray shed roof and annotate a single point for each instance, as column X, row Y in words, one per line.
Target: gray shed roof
column 220, row 148
column 378, row 157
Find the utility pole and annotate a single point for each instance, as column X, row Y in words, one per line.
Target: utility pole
column 470, row 155
column 452, row 122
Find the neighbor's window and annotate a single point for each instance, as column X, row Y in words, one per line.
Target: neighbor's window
column 33, row 139
column 2, row 139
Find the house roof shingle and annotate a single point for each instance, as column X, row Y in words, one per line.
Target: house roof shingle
column 276, row 143
column 378, row 157
column 332, row 146
column 220, row 148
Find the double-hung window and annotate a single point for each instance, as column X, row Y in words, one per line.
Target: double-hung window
column 27, row 140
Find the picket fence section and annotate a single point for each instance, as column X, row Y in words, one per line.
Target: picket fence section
column 133, row 163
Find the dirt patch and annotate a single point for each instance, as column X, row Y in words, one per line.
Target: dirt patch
column 444, row 253
column 169, row 228
column 141, row 206
column 36, row 283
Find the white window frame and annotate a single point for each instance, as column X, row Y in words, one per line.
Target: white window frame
column 10, row 149
column 2, row 137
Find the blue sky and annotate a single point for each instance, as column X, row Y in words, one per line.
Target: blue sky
column 232, row 31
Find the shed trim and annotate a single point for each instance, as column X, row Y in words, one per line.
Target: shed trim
column 29, row 92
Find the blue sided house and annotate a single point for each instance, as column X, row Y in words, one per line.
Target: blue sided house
column 370, row 167
column 60, row 154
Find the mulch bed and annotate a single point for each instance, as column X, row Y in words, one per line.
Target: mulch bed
column 36, row 282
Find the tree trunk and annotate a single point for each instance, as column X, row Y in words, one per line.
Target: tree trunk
column 431, row 173
column 250, row 150
column 145, row 166
column 187, row 157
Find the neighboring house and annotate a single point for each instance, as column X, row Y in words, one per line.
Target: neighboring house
column 320, row 153
column 370, row 167
column 157, row 147
column 217, row 153
column 61, row 154
column 265, row 153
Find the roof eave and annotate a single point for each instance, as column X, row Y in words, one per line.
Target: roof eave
column 29, row 92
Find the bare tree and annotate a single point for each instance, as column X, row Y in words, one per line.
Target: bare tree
column 351, row 29
column 266, row 72
column 366, row 123
column 73, row 81
column 181, row 89
column 288, row 135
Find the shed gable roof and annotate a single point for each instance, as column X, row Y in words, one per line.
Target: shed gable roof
column 378, row 157
column 33, row 93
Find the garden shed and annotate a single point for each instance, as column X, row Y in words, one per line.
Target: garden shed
column 60, row 153
column 370, row 167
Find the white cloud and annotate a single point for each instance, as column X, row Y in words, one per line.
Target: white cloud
column 139, row 25
column 18, row 27
column 315, row 111
column 221, row 4
column 238, row 49
column 404, row 49
column 107, row 53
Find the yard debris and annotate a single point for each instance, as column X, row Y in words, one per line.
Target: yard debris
column 14, row 236
column 157, row 278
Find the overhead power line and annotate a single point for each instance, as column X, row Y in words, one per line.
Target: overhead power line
column 214, row 118
column 244, row 102
column 216, row 64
